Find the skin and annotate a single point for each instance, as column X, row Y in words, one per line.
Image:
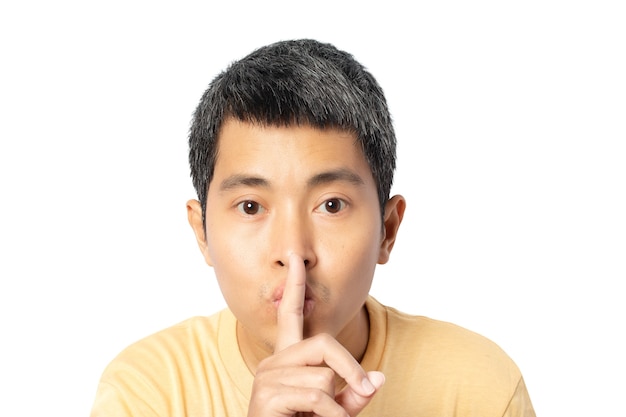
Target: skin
column 294, row 233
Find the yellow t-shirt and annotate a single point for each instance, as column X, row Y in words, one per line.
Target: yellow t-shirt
column 432, row 369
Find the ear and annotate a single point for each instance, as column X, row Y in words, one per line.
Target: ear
column 194, row 215
column 394, row 212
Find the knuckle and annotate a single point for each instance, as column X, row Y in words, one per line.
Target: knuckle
column 324, row 339
column 264, row 396
column 324, row 378
column 315, row 396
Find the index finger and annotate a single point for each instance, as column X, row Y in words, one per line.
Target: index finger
column 290, row 316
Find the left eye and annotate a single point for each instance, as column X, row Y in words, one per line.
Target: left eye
column 250, row 207
column 333, row 205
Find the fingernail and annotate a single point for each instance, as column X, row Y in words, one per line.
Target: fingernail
column 367, row 386
column 377, row 378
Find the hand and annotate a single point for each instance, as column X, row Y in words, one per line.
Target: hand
column 300, row 376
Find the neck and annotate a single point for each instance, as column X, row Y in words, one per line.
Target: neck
column 354, row 337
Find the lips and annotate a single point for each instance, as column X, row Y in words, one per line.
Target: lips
column 309, row 299
column 278, row 293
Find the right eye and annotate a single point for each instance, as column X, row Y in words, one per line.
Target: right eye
column 250, row 207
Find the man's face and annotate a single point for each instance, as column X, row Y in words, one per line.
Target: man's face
column 282, row 190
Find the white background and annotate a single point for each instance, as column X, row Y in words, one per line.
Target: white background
column 510, row 118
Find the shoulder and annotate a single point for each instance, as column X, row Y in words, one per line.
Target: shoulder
column 191, row 329
column 427, row 331
column 445, row 348
column 449, row 369
column 155, row 373
column 187, row 340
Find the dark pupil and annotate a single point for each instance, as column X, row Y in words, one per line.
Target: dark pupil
column 250, row 207
column 332, row 206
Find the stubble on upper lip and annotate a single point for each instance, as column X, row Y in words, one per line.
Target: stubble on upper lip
column 314, row 291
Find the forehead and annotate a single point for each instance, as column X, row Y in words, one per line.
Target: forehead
column 242, row 144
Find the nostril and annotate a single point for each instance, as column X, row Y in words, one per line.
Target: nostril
column 281, row 263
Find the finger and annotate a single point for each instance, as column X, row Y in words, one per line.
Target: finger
column 319, row 378
column 352, row 401
column 324, row 349
column 299, row 401
column 285, row 391
column 290, row 318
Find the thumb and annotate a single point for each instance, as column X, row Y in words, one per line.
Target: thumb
column 353, row 402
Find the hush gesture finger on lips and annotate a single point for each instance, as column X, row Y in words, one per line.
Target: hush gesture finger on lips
column 300, row 375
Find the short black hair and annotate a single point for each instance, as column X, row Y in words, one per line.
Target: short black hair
column 295, row 82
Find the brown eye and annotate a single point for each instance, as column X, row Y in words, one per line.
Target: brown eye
column 333, row 205
column 249, row 207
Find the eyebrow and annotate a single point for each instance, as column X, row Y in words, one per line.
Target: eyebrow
column 341, row 175
column 240, row 180
column 337, row 175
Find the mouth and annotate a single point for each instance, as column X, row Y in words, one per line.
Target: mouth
column 308, row 305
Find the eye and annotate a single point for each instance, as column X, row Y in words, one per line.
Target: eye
column 333, row 205
column 250, row 207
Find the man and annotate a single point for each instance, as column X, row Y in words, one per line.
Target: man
column 292, row 154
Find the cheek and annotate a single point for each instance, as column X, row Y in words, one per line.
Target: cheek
column 354, row 256
column 239, row 261
column 232, row 258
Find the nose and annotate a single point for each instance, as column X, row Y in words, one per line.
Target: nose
column 292, row 233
